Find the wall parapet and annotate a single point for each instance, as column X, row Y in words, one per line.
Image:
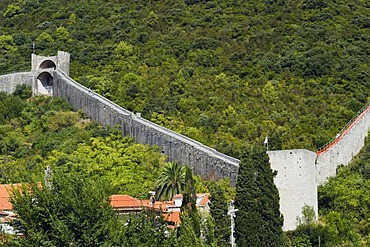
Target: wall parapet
column 344, row 130
column 347, row 144
column 203, row 160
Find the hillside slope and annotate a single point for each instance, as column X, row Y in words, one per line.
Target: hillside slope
column 43, row 131
column 225, row 73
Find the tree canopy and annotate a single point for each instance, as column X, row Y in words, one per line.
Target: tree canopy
column 75, row 211
column 72, row 212
column 43, row 131
column 171, row 181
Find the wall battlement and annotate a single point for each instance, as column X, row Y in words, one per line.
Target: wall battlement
column 299, row 171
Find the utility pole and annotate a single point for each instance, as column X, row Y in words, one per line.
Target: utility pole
column 231, row 212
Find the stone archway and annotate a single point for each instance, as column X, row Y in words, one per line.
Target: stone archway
column 45, row 83
column 47, row 64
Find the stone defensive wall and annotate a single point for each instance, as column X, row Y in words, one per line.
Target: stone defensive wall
column 300, row 172
column 296, row 183
column 203, row 160
column 342, row 149
column 9, row 82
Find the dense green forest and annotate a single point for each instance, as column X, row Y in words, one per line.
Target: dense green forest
column 222, row 72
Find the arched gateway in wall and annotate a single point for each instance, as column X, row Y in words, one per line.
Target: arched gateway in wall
column 43, row 68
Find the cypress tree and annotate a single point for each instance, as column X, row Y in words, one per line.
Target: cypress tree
column 258, row 221
column 218, row 209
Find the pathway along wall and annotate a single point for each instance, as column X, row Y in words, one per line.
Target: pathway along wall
column 296, row 168
column 203, row 160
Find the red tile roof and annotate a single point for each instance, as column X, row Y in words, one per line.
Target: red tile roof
column 204, row 200
column 178, row 196
column 5, row 196
column 125, row 202
column 173, row 217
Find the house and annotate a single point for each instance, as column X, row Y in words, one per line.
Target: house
column 170, row 210
column 122, row 204
column 5, row 204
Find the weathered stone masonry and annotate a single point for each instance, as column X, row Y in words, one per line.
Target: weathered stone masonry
column 203, row 160
column 9, row 82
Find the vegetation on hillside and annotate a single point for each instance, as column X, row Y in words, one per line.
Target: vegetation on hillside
column 89, row 163
column 75, row 211
column 344, row 202
column 221, row 72
column 45, row 132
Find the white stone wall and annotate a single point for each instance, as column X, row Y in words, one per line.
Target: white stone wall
column 9, row 82
column 296, row 183
column 344, row 148
column 61, row 61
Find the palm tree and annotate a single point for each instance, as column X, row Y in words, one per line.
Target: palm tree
column 171, row 181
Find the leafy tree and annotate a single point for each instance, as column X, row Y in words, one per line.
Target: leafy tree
column 146, row 229
column 189, row 191
column 310, row 232
column 62, row 34
column 308, row 215
column 124, row 49
column 152, row 19
column 258, row 221
column 207, row 229
column 189, row 201
column 75, row 211
column 72, row 212
column 7, row 45
column 11, row 11
column 23, row 91
column 171, row 181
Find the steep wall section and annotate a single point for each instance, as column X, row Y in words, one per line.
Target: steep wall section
column 342, row 150
column 9, row 82
column 296, row 183
column 204, row 161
